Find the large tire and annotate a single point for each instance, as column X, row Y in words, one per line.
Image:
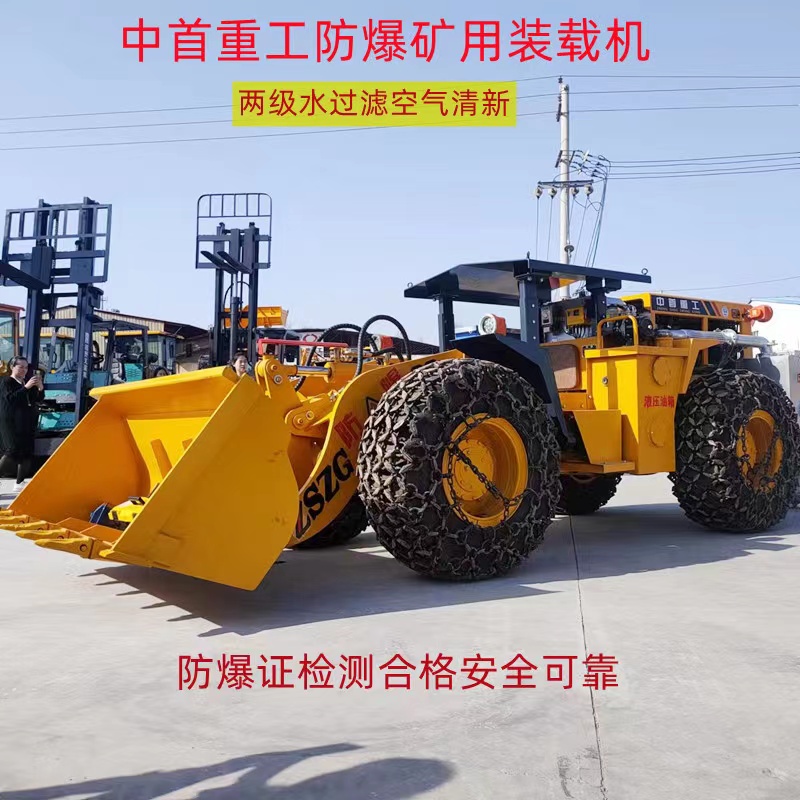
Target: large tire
column 418, row 491
column 350, row 523
column 725, row 416
column 585, row 494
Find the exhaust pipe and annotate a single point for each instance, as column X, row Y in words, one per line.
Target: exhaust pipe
column 727, row 335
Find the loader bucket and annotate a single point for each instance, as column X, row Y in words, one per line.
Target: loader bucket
column 204, row 456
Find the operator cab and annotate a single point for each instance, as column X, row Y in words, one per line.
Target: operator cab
column 529, row 284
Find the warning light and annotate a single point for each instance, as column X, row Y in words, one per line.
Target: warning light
column 382, row 342
column 760, row 313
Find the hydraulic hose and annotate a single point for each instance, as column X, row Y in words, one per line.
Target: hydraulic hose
column 362, row 334
column 341, row 326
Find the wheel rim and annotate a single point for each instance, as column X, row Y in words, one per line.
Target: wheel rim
column 493, row 446
column 760, row 450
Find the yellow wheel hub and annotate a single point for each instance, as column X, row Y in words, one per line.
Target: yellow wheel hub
column 498, row 453
column 758, row 440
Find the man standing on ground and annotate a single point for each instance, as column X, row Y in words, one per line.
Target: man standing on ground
column 18, row 419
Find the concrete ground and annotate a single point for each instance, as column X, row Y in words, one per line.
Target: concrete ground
column 703, row 627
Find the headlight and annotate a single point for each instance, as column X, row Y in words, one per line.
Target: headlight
column 490, row 323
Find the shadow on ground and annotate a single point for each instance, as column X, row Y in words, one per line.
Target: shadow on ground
column 388, row 779
column 355, row 581
column 632, row 539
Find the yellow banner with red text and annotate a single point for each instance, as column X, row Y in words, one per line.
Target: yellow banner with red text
column 369, row 104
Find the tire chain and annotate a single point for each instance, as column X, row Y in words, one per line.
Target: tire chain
column 709, row 481
column 578, row 498
column 402, row 483
column 351, row 522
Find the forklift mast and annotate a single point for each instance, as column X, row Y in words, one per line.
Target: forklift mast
column 237, row 249
column 51, row 247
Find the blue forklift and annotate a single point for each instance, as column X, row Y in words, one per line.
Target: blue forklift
column 123, row 362
column 58, row 252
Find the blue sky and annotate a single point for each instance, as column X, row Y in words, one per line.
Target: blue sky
column 359, row 215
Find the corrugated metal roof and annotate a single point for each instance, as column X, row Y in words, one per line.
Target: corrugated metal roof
column 184, row 329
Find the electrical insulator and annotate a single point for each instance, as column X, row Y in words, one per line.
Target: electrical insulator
column 553, row 191
column 575, row 191
column 589, row 189
column 538, row 191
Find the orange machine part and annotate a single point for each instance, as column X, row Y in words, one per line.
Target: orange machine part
column 760, row 313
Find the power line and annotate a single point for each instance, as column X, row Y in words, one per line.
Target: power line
column 203, row 108
column 678, row 108
column 119, row 127
column 733, row 159
column 670, row 89
column 690, row 77
column 705, row 173
column 623, row 165
column 152, row 124
column 734, row 285
column 170, row 109
column 113, row 113
column 317, row 132
column 687, row 89
column 681, row 165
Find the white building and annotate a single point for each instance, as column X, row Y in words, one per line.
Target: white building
column 783, row 332
column 784, row 327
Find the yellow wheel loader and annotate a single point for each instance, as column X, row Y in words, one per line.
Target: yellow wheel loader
column 459, row 459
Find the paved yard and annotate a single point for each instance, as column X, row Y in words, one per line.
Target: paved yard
column 704, row 629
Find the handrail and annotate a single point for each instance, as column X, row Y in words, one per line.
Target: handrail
column 634, row 324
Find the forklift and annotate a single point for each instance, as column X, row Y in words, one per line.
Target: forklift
column 55, row 252
column 141, row 353
column 234, row 238
column 121, row 363
column 238, row 247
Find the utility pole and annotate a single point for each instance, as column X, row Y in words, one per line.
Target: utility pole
column 563, row 176
column 594, row 168
column 563, row 118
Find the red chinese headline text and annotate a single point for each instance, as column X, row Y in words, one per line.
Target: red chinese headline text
column 391, row 40
column 439, row 672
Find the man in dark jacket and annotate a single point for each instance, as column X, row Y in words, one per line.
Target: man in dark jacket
column 18, row 419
